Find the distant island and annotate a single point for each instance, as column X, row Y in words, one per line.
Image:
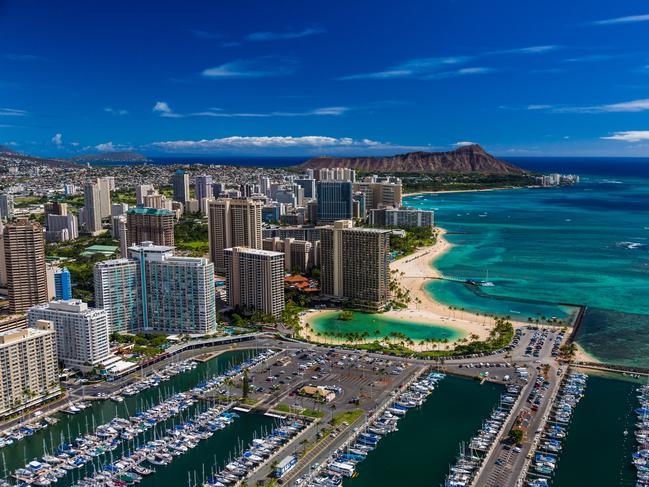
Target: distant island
column 463, row 160
column 112, row 157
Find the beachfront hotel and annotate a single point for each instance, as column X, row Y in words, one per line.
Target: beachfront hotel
column 255, row 279
column 354, row 264
column 82, row 334
column 233, row 222
column 154, row 290
column 402, row 217
column 28, row 367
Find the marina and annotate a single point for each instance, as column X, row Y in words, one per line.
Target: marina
column 135, row 420
column 425, row 443
column 542, row 465
column 343, row 462
column 604, row 414
column 471, row 458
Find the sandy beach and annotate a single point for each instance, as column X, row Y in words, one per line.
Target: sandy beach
column 583, row 356
column 412, row 272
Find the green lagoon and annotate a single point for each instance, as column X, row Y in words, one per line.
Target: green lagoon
column 379, row 326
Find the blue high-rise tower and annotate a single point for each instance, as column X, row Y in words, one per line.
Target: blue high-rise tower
column 63, row 284
column 335, row 201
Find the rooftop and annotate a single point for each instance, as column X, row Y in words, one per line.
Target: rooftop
column 150, row 211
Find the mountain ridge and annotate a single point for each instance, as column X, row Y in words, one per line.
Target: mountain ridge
column 466, row 159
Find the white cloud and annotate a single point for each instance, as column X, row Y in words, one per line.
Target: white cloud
column 427, row 68
column 303, row 143
column 463, row 144
column 631, row 19
column 110, row 147
column 164, row 110
column 627, row 106
column 57, row 140
column 526, row 50
column 539, row 107
column 115, row 111
column 272, row 36
column 262, row 67
column 460, row 72
column 412, row 68
column 12, row 112
column 629, row 136
column 622, row 107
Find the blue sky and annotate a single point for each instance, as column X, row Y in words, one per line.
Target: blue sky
column 303, row 77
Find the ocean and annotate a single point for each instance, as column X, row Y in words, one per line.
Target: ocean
column 586, row 244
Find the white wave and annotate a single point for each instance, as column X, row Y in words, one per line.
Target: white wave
column 630, row 245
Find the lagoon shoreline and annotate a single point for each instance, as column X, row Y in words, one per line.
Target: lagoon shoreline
column 412, row 272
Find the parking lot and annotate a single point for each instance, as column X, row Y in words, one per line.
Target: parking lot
column 351, row 379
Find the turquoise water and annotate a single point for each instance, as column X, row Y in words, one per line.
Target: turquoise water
column 428, row 440
column 379, row 326
column 585, row 244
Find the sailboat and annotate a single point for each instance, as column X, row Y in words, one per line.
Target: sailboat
column 487, row 282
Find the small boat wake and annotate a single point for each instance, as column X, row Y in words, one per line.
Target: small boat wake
column 629, row 245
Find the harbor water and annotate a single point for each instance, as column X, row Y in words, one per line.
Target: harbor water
column 428, row 440
column 596, row 451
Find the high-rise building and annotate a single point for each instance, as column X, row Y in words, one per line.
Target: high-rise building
column 117, row 292
column 117, row 210
column 28, row 367
column 120, row 223
column 255, row 279
column 92, row 206
column 63, row 284
column 380, row 194
column 203, row 187
column 298, row 254
column 154, row 290
column 217, row 189
column 149, row 225
column 176, row 293
column 233, row 223
column 24, row 252
column 82, row 335
column 264, row 185
column 180, row 185
column 141, row 190
column 61, row 228
column 55, row 208
column 354, row 264
column 69, row 189
column 402, row 217
column 6, row 206
column 106, row 185
column 334, row 201
column 308, row 185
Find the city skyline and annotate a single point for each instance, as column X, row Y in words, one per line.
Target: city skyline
column 255, row 79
